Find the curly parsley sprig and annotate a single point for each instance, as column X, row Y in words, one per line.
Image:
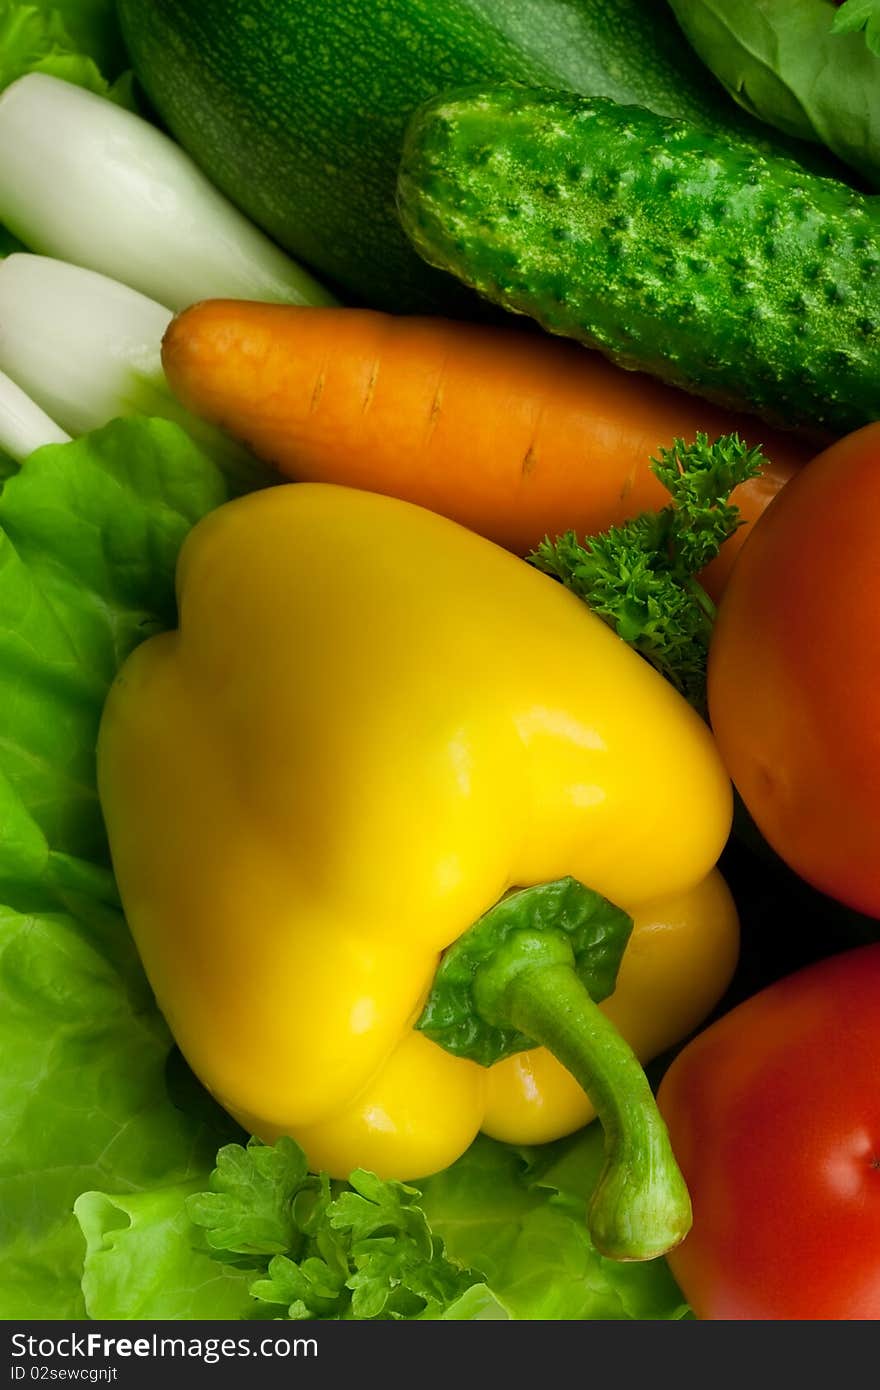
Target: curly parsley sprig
column 361, row 1249
column 640, row 578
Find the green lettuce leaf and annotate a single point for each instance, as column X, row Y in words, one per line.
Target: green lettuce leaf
column 139, row 1265
column 94, row 28
column 89, row 534
column 77, row 40
column 519, row 1219
column 788, row 63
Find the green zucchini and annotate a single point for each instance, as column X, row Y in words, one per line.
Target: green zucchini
column 738, row 276
column 296, row 108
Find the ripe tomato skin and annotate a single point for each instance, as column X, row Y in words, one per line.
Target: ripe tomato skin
column 794, row 672
column 774, row 1116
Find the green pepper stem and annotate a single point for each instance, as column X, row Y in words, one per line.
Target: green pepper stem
column 640, row 1207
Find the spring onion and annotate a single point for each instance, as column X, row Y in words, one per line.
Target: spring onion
column 87, row 349
column 86, row 181
column 24, row 427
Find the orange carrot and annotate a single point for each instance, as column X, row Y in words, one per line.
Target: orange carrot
column 515, row 435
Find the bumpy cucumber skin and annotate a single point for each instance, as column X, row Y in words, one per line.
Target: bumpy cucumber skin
column 296, row 109
column 740, row 277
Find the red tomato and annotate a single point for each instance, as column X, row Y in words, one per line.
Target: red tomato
column 794, row 672
column 774, row 1115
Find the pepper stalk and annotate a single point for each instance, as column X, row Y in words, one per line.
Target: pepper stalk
column 532, row 971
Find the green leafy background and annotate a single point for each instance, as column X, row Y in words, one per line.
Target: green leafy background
column 90, row 534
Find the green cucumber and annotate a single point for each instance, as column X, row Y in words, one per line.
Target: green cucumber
column 296, row 108
column 738, row 276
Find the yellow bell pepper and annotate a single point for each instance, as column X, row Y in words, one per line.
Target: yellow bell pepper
column 370, row 726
